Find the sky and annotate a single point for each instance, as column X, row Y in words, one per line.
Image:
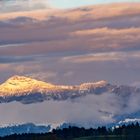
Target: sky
column 77, row 3
column 48, row 41
column 71, row 46
column 20, row 5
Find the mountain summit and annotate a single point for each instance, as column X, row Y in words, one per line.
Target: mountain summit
column 18, row 85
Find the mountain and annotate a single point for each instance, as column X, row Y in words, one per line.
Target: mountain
column 27, row 90
column 24, row 128
column 20, row 85
column 31, row 128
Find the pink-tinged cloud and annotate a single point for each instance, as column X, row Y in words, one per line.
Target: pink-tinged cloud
column 100, row 39
column 37, row 14
column 102, row 57
column 96, row 43
column 95, row 29
column 94, row 12
column 107, row 31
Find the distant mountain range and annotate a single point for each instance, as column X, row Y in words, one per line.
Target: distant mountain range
column 29, row 128
column 24, row 128
column 27, row 90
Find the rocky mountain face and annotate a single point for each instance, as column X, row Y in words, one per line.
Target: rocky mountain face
column 28, row 90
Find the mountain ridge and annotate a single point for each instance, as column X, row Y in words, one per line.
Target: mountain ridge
column 29, row 90
column 26, row 84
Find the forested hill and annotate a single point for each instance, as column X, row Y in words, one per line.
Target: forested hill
column 129, row 132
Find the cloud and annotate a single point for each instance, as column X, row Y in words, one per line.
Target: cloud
column 107, row 31
column 16, row 59
column 102, row 57
column 44, row 76
column 35, row 69
column 95, row 40
column 118, row 28
column 89, row 111
column 54, row 112
column 96, row 12
column 20, row 5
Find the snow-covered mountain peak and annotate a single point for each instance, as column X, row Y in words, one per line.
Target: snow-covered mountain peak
column 21, row 84
column 95, row 87
column 22, row 81
column 17, row 77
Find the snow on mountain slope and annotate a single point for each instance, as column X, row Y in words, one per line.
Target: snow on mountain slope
column 28, row 90
column 128, row 120
column 18, row 85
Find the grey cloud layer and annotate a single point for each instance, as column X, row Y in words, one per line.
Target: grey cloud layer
column 90, row 111
column 16, row 59
column 54, row 112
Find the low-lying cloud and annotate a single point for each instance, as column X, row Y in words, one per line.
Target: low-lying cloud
column 89, row 111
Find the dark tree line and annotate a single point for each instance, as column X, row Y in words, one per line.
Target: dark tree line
column 125, row 131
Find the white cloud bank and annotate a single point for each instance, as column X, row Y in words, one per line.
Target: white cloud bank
column 89, row 111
